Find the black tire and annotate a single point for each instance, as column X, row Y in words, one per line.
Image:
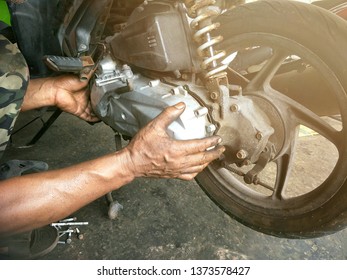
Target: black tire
column 319, row 38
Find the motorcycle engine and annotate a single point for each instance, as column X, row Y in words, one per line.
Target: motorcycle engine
column 127, row 102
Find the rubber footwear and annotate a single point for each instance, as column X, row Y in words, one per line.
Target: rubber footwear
column 30, row 245
column 14, row 168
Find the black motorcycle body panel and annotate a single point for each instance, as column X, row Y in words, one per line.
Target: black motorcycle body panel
column 154, row 38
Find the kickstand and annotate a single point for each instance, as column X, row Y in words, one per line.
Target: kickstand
column 45, row 127
column 114, row 206
column 42, row 131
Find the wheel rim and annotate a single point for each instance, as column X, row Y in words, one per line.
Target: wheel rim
column 283, row 200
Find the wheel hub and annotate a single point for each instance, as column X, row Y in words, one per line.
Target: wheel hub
column 249, row 125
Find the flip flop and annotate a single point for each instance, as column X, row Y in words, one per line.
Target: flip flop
column 30, row 245
column 14, row 168
column 35, row 243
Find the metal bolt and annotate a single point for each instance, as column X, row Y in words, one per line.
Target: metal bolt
column 154, row 83
column 185, row 77
column 242, row 154
column 83, row 47
column 179, row 90
column 247, row 180
column 214, row 95
column 211, row 128
column 70, row 224
column 69, row 240
column 259, row 135
column 68, row 220
column 234, row 108
column 256, row 180
column 79, row 234
column 62, row 233
column 202, row 111
column 177, row 74
column 175, row 91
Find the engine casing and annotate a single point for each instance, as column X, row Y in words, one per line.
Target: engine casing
column 127, row 102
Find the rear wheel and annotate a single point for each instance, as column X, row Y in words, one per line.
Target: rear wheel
column 301, row 192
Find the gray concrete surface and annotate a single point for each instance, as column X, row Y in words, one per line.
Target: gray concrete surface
column 161, row 219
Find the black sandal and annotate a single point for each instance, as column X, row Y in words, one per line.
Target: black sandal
column 15, row 167
column 29, row 245
column 35, row 243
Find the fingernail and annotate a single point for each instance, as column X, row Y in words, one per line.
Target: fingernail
column 219, row 140
column 180, row 106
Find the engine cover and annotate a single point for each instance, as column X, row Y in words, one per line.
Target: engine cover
column 128, row 108
column 154, row 38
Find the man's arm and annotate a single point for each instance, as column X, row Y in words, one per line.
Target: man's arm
column 35, row 200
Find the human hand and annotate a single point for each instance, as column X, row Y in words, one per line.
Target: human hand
column 66, row 92
column 72, row 96
column 153, row 153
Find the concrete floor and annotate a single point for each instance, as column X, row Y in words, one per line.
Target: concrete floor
column 161, row 219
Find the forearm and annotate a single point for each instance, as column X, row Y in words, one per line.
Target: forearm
column 40, row 93
column 35, row 200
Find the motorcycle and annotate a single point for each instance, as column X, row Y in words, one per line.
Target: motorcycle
column 269, row 77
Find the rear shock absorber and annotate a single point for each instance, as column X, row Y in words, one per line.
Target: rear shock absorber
column 202, row 12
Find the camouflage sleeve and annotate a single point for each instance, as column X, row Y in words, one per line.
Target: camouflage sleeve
column 14, row 77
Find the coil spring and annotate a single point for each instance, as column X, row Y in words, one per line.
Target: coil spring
column 202, row 12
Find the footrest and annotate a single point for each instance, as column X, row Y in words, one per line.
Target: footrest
column 63, row 64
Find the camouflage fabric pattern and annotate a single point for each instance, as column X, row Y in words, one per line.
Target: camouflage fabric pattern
column 14, row 78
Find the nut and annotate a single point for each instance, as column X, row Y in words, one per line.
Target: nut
column 234, row 108
column 242, row 154
column 259, row 135
column 214, row 95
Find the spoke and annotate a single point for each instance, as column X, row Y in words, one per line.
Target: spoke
column 300, row 115
column 284, row 166
column 264, row 76
column 313, row 121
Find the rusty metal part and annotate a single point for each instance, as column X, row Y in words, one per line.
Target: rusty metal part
column 256, row 181
column 267, row 155
column 88, row 66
